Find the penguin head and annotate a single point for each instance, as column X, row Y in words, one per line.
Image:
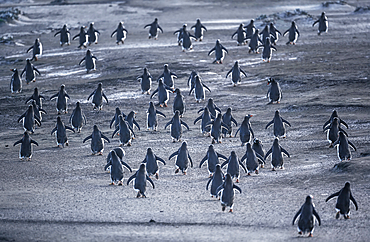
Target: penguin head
column 341, row 135
column 131, row 114
column 323, row 14
column 197, row 79
column 241, row 25
column 149, row 150
column 210, row 148
column 335, row 121
column 177, row 114
column 120, row 24
column 256, row 141
column 151, row 104
column 62, row 87
column 82, row 28
column 228, row 178
column 156, row 20
column 145, row 70
column 118, row 111
column 217, row 41
column 309, row 199
column 266, row 28
column 36, row 91
column 267, row 41
column 193, row 73
column 165, row 67
column 14, row 70
column 59, row 119
column 28, row 61
column 177, row 91
column 198, row 20
column 256, row 32
column 276, row 141
column 219, row 116
column 218, row 168
column 252, row 21
column 91, row 24
column 30, row 108
column 33, row 103
column 37, row 40
column 88, row 52
column 347, row 185
column 100, row 85
column 293, row 23
column 236, row 63
column 247, row 117
column 228, row 111
column 249, row 147
column 113, row 155
column 210, row 101
column 184, row 145
column 233, row 154
column 95, row 128
column 184, row 26
column 277, row 113
column 271, row 25
column 271, row 80
column 26, row 135
column 64, row 26
column 335, row 113
column 120, row 119
column 142, row 167
column 160, row 83
column 77, row 104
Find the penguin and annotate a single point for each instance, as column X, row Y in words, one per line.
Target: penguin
column 26, row 142
column 191, row 80
column 235, row 73
column 334, row 115
column 29, row 120
column 274, row 94
column 212, row 108
column 36, row 97
column 276, row 152
column 36, row 49
column 250, row 28
column 253, row 160
column 217, row 180
column 30, row 71
column 206, row 118
column 145, row 81
column 279, row 125
column 125, row 132
column 212, row 158
column 267, row 50
column 198, row 30
column 60, row 131
column 226, row 191
column 15, row 82
column 240, row 35
column 61, row 100
column 140, row 177
column 97, row 99
column 37, row 110
column 97, row 142
column 246, row 132
column 179, row 102
column 186, row 39
column 333, row 131
column 64, row 36
column 83, row 37
column 114, row 161
column 163, row 95
column 228, row 119
column 153, row 31
column 120, row 154
column 93, row 34
column 89, row 61
column 258, row 147
column 120, row 33
column 167, row 77
column 130, row 118
column 179, row 33
column 274, row 33
column 183, row 158
column 77, row 118
column 152, row 120
column 233, row 164
column 176, row 128
column 323, row 24
column 199, row 89
column 151, row 163
column 115, row 118
column 219, row 52
column 254, row 42
column 216, row 130
column 265, row 34
column 293, row 34
column 343, row 201
column 342, row 144
column 306, row 220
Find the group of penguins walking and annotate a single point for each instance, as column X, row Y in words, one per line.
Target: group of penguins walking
column 213, row 123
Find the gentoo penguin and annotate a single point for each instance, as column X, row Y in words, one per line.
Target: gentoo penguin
column 29, row 120
column 265, row 34
column 97, row 99
column 115, row 118
column 293, row 34
column 183, row 158
column 120, row 33
column 145, row 81
column 306, row 219
column 233, row 164
column 216, row 130
column 83, row 37
column 191, row 80
column 15, row 82
column 227, row 193
column 89, row 61
column 78, row 118
column 323, row 23
column 199, row 89
column 212, row 108
column 178, row 102
column 36, row 49
column 206, row 118
column 258, row 147
column 153, row 31
column 152, row 120
column 198, row 30
column 120, row 154
column 125, row 132
column 228, row 119
column 176, row 128
column 246, row 132
column 36, row 97
column 334, row 114
column 235, row 74
column 276, row 152
column 25, row 151
column 61, row 100
column 274, row 33
column 279, row 125
column 343, row 144
column 186, row 39
column 116, row 167
column 250, row 28
column 97, row 142
column 217, row 179
column 274, row 93
column 140, row 177
column 60, row 131
column 130, row 118
column 267, row 50
column 219, row 52
column 179, row 33
column 93, row 34
column 163, row 95
column 333, row 131
column 240, row 35
column 253, row 160
column 37, row 110
column 30, row 71
column 167, row 77
column 64, row 36
column 254, row 42
column 212, row 159
column 151, row 163
column 343, row 201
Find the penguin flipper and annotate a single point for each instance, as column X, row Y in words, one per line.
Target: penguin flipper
column 202, row 26
column 202, row 161
column 237, row 132
column 159, row 27
column 237, row 188
column 325, row 124
column 204, row 85
column 260, row 157
column 54, row 129
column 317, row 216
column 191, row 161
column 221, row 155
column 219, row 188
column 234, row 121
column 156, row 90
column 150, row 181
column 21, row 117
column 244, row 157
column 131, row 177
column 243, row 166
column 271, row 122
column 29, row 49
column 137, row 125
column 105, row 137
column 109, row 163
column 83, row 59
column 250, row 129
column 228, row 73
column 344, row 123
column 91, row 95
column 105, row 97
column 296, row 215
column 197, row 119
column 284, row 151
column 285, row 121
column 35, row 69
column 353, row 200
column 160, row 159
column 35, row 143
column 332, row 195
column 245, row 74
column 200, row 110
column 160, row 113
column 209, row 181
column 18, row 142
column 191, row 89
column 173, row 154
column 352, row 145
column 268, row 153
column 87, row 138
column 115, row 31
column 213, row 49
column 225, row 162
column 126, row 165
column 112, row 121
column 185, row 124
column 218, row 109
column 67, row 127
column 170, row 122
column 54, row 96
column 344, row 132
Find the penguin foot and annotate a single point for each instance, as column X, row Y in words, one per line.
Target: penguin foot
column 346, row 216
column 177, row 171
column 310, row 235
column 300, row 232
column 231, row 210
column 100, row 153
column 138, row 195
column 213, row 141
column 111, row 184
column 248, row 174
column 129, row 144
column 120, row 183
column 256, row 172
column 223, row 208
column 331, row 145
column 184, row 173
column 337, row 215
column 273, row 169
column 237, row 181
column 156, row 176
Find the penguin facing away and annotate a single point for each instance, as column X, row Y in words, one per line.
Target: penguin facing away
column 116, row 167
column 37, row 111
column 233, row 164
column 267, row 50
column 250, row 29
column 253, row 160
column 83, row 37
column 216, row 130
column 276, row 152
column 89, row 61
column 212, row 158
column 176, row 128
column 205, row 119
column 343, row 201
column 293, row 34
column 153, row 30
column 217, row 180
column 240, row 35
column 179, row 102
column 93, row 34
column 115, row 119
column 343, row 144
column 254, row 43
column 120, row 154
column 226, row 190
column 274, row 33
column 246, row 132
column 97, row 142
column 130, row 118
column 258, row 147
column 98, row 96
column 29, row 120
column 167, row 77
column 146, row 81
column 36, row 97
column 141, row 178
column 151, row 163
column 183, row 158
column 77, row 118
column 199, row 89
column 333, row 131
column 120, row 33
column 274, row 94
column 220, row 51
column 126, row 133
column 15, row 82
column 212, row 108
column 30, row 71
column 152, row 119
column 64, row 36
column 198, row 30
column 306, row 219
column 60, row 131
column 61, row 100
column 279, row 125
column 228, row 119
column 191, row 80
column 235, row 73
column 25, row 151
column 323, row 24
column 36, row 50
column 334, row 114
column 163, row 95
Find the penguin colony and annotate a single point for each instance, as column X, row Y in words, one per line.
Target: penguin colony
column 213, row 122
